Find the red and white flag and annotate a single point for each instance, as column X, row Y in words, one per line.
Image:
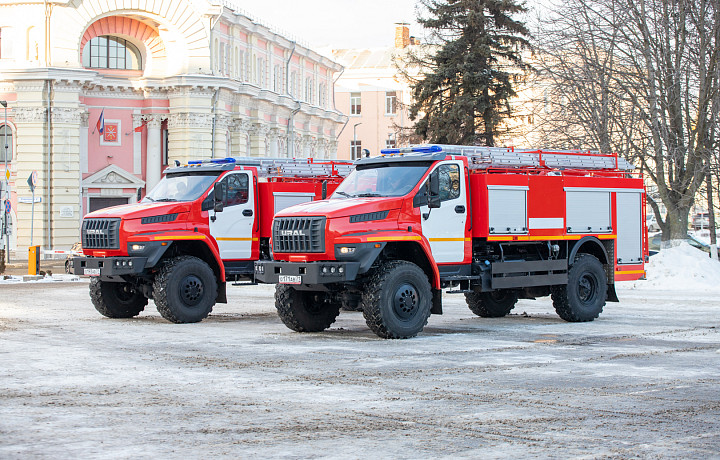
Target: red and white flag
column 101, row 122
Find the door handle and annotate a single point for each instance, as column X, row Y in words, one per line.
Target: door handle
column 247, row 212
column 460, row 209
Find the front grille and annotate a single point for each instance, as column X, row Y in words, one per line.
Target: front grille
column 299, row 234
column 100, row 234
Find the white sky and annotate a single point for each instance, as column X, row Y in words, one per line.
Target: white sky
column 336, row 23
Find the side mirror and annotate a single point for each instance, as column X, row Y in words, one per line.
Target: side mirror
column 218, row 195
column 433, row 199
column 324, row 189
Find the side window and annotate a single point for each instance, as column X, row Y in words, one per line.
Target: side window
column 236, row 189
column 449, row 176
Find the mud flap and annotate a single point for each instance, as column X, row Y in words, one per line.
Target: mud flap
column 611, row 294
column 222, row 293
column 436, row 308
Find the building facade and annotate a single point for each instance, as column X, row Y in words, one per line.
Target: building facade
column 374, row 96
column 102, row 95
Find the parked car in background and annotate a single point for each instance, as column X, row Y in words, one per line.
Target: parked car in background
column 655, row 244
column 651, row 223
column 701, row 220
column 76, row 250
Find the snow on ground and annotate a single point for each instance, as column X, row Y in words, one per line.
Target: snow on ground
column 680, row 268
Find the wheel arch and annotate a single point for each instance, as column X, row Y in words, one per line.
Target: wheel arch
column 413, row 252
column 589, row 245
column 205, row 253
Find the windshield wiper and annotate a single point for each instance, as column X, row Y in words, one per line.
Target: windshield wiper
column 151, row 199
column 369, row 194
column 345, row 194
column 165, row 199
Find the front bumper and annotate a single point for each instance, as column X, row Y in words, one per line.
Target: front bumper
column 305, row 272
column 108, row 266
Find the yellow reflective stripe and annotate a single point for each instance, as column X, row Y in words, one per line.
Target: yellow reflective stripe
column 180, row 237
column 448, row 239
column 544, row 238
column 236, row 239
column 394, row 238
column 630, row 272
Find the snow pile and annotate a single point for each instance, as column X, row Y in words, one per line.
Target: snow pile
column 680, row 268
column 10, row 279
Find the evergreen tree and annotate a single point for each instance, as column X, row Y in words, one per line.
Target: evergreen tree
column 464, row 92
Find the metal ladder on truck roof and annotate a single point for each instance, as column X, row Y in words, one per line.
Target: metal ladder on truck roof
column 508, row 157
column 289, row 167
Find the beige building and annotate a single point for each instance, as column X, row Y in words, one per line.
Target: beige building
column 102, row 95
column 374, row 97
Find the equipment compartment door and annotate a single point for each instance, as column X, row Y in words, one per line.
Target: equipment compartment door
column 233, row 227
column 629, row 228
column 445, row 226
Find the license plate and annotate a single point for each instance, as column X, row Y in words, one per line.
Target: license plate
column 290, row 279
column 91, row 272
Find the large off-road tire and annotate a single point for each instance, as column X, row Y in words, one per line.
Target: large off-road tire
column 185, row 290
column 116, row 300
column 397, row 300
column 583, row 298
column 305, row 311
column 493, row 304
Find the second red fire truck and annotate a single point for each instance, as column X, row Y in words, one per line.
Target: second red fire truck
column 495, row 224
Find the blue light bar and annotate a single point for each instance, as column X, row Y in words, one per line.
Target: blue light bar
column 219, row 161
column 420, row 149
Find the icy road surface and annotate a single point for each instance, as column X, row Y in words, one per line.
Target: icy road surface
column 642, row 381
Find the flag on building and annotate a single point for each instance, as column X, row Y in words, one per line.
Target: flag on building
column 101, row 122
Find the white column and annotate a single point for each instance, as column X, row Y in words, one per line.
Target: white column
column 154, row 152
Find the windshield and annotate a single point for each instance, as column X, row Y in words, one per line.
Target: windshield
column 381, row 180
column 180, row 188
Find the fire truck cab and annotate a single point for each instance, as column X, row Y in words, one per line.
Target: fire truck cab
column 496, row 224
column 204, row 224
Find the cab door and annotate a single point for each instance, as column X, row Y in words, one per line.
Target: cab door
column 444, row 227
column 233, row 226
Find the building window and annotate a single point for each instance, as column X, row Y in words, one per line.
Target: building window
column 390, row 141
column 355, row 149
column 6, row 139
column 355, row 106
column 277, row 78
column 322, row 95
column 164, row 138
column 261, row 72
column 108, row 52
column 309, row 90
column 243, row 66
column 390, row 103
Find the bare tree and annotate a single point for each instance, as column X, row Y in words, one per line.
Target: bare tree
column 638, row 77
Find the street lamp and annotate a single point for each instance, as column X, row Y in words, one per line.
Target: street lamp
column 354, row 146
column 7, row 193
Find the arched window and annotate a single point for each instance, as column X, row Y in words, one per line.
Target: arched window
column 6, row 138
column 108, row 52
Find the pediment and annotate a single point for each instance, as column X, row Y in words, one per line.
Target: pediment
column 112, row 176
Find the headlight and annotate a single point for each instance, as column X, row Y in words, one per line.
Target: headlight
column 137, row 247
column 347, row 250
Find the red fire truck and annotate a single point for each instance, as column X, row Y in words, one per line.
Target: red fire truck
column 495, row 224
column 203, row 225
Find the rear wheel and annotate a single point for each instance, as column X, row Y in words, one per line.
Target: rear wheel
column 583, row 298
column 397, row 300
column 185, row 290
column 116, row 300
column 305, row 311
column 493, row 304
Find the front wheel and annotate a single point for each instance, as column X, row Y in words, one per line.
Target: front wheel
column 185, row 290
column 305, row 311
column 583, row 298
column 116, row 300
column 493, row 304
column 396, row 301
